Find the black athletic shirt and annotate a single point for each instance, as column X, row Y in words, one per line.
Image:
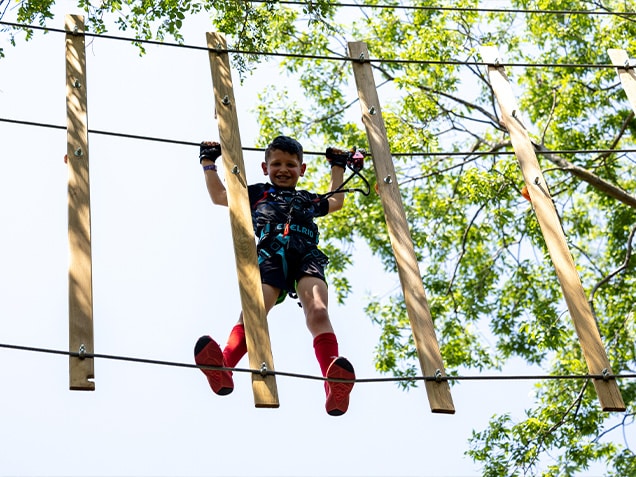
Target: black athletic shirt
column 273, row 207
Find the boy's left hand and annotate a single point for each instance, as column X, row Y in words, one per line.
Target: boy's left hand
column 337, row 157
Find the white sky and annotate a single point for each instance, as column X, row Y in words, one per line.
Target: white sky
column 163, row 274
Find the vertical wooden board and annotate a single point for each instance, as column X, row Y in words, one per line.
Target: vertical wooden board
column 580, row 311
column 81, row 371
column 626, row 73
column 418, row 311
column 254, row 314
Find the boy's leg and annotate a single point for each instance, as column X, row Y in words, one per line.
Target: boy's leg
column 313, row 295
column 236, row 346
column 207, row 352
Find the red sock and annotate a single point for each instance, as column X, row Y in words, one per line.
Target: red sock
column 326, row 348
column 236, row 346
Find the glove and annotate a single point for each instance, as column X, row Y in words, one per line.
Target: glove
column 337, row 157
column 209, row 150
column 356, row 160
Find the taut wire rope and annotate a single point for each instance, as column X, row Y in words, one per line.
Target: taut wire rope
column 313, row 57
column 319, row 153
column 269, row 372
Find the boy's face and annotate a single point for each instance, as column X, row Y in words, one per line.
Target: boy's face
column 284, row 169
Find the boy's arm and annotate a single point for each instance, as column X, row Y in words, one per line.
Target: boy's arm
column 336, row 201
column 207, row 158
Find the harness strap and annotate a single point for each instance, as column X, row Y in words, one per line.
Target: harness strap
column 282, row 228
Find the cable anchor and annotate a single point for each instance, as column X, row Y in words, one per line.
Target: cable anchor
column 264, row 369
column 606, row 374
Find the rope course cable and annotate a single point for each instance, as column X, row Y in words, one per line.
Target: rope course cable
column 457, row 9
column 317, row 153
column 313, row 57
column 266, row 372
column 85, row 355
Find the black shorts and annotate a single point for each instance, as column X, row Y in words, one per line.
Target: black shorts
column 297, row 265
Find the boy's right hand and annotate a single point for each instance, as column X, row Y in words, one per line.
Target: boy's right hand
column 209, row 150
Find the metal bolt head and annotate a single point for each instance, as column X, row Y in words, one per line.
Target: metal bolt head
column 372, row 111
column 235, row 170
column 438, row 375
column 77, row 84
column 78, row 152
column 388, row 180
column 226, row 100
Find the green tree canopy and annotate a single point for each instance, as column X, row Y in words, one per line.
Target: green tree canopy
column 483, row 259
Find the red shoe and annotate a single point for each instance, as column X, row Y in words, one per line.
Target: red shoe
column 337, row 392
column 208, row 353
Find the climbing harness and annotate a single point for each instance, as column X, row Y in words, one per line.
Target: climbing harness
column 275, row 238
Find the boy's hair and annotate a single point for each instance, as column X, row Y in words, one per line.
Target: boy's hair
column 286, row 144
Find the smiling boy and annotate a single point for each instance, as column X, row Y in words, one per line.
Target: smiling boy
column 289, row 261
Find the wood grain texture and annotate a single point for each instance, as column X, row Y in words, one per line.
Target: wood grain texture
column 418, row 311
column 81, row 371
column 626, row 73
column 578, row 306
column 254, row 314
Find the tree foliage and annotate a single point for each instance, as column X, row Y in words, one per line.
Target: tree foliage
column 484, row 262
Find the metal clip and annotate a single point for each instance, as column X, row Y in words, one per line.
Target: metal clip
column 263, row 369
column 438, row 376
column 606, row 374
column 81, row 354
column 629, row 64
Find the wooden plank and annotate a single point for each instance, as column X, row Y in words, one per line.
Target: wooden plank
column 254, row 314
column 626, row 73
column 580, row 311
column 418, row 311
column 80, row 279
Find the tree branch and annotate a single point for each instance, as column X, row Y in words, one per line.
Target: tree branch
column 623, row 266
column 587, row 176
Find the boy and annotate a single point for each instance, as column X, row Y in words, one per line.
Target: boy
column 289, row 260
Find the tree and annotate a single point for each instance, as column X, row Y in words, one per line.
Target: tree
column 484, row 263
column 482, row 255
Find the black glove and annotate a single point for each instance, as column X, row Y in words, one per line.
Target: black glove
column 209, row 150
column 337, row 157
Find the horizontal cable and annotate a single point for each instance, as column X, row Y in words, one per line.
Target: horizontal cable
column 267, row 372
column 457, row 9
column 402, row 154
column 316, row 153
column 316, row 57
